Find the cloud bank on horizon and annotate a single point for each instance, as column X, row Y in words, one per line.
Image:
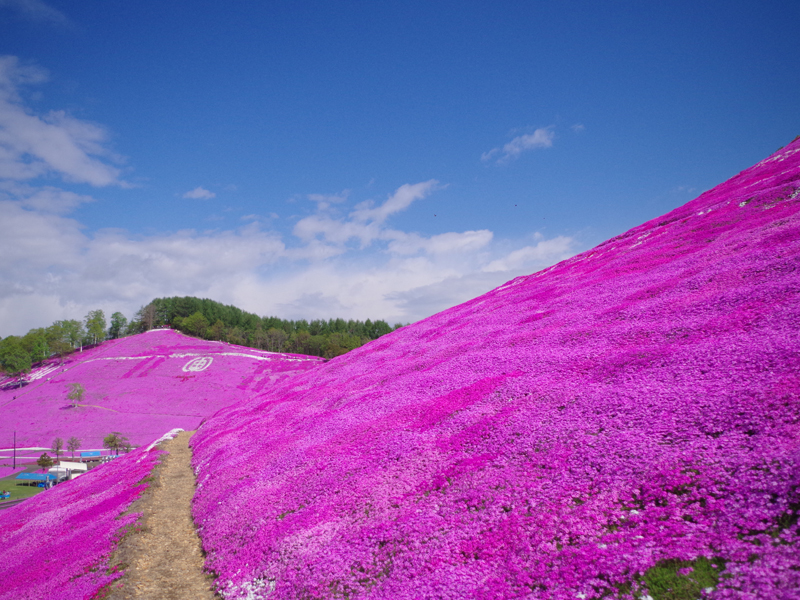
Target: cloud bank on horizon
column 341, row 260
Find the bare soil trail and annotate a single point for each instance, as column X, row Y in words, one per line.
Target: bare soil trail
column 164, row 560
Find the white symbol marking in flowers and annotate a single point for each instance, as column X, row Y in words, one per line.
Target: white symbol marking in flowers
column 197, row 364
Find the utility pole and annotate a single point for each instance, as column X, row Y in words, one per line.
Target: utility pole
column 15, row 450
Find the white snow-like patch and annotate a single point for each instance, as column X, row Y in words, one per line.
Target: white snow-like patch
column 274, row 356
column 251, row 590
column 779, row 157
column 511, row 283
column 167, row 436
column 39, row 373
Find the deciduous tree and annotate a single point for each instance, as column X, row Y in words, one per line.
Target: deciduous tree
column 58, row 339
column 118, row 324
column 95, row 325
column 76, row 393
column 14, row 360
column 44, row 461
column 195, row 324
column 73, row 444
column 57, row 447
column 114, row 441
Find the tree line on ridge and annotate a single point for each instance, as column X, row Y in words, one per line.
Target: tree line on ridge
column 201, row 318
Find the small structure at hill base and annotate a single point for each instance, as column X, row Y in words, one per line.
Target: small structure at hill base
column 68, row 470
column 43, row 479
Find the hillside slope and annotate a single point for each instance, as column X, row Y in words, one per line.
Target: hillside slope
column 57, row 545
column 141, row 386
column 559, row 437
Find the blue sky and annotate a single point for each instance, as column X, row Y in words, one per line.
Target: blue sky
column 360, row 159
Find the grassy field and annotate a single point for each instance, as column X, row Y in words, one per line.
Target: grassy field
column 19, row 489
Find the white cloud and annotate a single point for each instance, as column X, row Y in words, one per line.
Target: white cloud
column 344, row 259
column 55, row 143
column 365, row 222
column 578, row 127
column 325, row 200
column 444, row 243
column 54, row 269
column 543, row 253
column 199, row 193
column 541, row 138
column 399, row 201
column 48, row 199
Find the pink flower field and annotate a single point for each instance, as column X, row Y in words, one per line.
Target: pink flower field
column 58, row 544
column 8, row 471
column 564, row 436
column 140, row 386
column 572, row 434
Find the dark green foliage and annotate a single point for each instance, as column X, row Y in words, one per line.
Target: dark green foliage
column 665, row 581
column 14, row 359
column 212, row 320
column 114, row 441
column 195, row 324
column 118, row 326
column 44, row 461
column 95, row 323
column 35, row 343
column 201, row 318
column 58, row 339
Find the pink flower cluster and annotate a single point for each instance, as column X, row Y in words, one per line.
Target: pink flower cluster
column 57, row 544
column 140, row 386
column 8, row 471
column 554, row 438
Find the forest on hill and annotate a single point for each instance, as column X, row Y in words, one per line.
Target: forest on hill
column 201, row 318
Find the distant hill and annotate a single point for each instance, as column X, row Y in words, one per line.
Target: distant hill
column 141, row 386
column 208, row 319
column 199, row 317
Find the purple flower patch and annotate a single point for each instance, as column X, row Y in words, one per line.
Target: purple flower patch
column 555, row 438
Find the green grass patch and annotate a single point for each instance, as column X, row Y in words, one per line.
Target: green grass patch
column 674, row 579
column 17, row 488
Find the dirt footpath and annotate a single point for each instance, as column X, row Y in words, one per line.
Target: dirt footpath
column 164, row 560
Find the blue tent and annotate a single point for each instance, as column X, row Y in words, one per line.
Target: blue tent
column 37, row 476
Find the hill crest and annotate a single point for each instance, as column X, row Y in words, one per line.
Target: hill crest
column 140, row 385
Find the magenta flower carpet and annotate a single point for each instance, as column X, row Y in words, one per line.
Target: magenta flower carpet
column 561, row 437
column 140, row 386
column 7, row 471
column 57, row 544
